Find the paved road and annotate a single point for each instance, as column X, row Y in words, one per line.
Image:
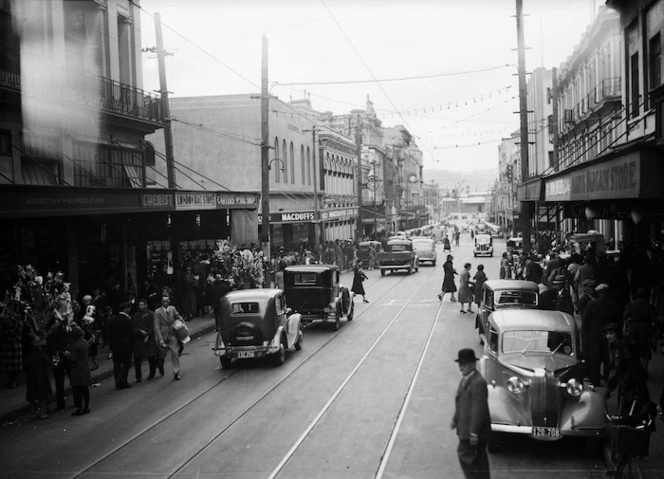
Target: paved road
column 372, row 400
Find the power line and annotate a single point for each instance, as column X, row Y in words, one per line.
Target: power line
column 366, row 66
column 383, row 80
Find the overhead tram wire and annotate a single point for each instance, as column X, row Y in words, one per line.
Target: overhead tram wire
column 198, row 47
column 220, row 134
column 163, row 156
column 385, row 80
column 367, row 66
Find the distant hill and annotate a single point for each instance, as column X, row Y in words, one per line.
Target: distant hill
column 471, row 181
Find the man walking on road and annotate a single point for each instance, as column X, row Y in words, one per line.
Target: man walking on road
column 164, row 320
column 471, row 418
column 121, row 340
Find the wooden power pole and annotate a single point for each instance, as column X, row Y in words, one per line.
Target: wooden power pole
column 165, row 109
column 265, row 156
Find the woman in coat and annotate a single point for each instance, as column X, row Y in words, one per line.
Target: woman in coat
column 465, row 291
column 448, row 280
column 358, row 277
column 479, row 278
column 79, row 372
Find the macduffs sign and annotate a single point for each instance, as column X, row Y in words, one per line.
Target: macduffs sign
column 291, row 217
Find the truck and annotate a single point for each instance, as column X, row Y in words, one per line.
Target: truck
column 398, row 254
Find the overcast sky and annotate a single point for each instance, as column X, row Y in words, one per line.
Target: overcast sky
column 458, row 115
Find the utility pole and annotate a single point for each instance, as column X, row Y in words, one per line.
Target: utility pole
column 554, row 114
column 265, row 157
column 165, row 109
column 358, row 146
column 318, row 229
column 526, row 206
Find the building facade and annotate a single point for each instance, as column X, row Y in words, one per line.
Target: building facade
column 76, row 176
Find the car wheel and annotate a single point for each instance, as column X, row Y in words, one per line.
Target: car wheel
column 433, row 263
column 410, row 270
column 351, row 311
column 280, row 356
column 475, row 255
column 300, row 340
column 382, row 272
column 225, row 362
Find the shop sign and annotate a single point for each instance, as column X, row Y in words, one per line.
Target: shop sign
column 195, row 201
column 338, row 214
column 229, row 200
column 619, row 178
column 531, row 191
column 557, row 189
column 28, row 201
column 157, row 201
column 294, row 217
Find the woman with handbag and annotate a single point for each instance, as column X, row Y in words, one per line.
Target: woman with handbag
column 358, row 278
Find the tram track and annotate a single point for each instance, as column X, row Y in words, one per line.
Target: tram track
column 171, row 416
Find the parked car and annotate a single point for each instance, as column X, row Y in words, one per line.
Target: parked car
column 425, row 248
column 316, row 293
column 363, row 251
column 535, row 378
column 483, row 245
column 500, row 294
column 255, row 323
column 398, row 254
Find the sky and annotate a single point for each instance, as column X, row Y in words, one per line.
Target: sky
column 445, row 69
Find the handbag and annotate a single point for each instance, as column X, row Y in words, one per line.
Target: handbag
column 180, row 329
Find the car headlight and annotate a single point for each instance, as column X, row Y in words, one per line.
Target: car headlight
column 574, row 387
column 515, row 385
column 327, row 309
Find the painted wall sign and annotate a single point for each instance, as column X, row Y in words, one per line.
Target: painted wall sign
column 344, row 213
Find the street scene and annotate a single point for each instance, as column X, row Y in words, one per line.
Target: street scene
column 331, row 239
column 373, row 399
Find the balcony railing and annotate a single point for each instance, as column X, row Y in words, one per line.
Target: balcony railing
column 86, row 90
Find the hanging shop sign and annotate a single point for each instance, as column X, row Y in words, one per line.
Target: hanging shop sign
column 189, row 200
column 616, row 178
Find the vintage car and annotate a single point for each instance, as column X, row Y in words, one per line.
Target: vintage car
column 315, row 291
column 398, row 254
column 425, row 248
column 500, row 294
column 581, row 242
column 363, row 251
column 535, row 378
column 483, row 245
column 256, row 323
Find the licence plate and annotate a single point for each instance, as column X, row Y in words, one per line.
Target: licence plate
column 245, row 354
column 546, row 432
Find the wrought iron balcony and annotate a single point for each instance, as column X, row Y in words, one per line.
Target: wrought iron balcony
column 86, row 90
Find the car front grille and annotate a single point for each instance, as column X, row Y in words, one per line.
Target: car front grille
column 544, row 399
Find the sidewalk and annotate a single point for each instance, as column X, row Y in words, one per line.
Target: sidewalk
column 653, row 465
column 12, row 401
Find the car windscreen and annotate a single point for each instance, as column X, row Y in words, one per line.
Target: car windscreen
column 305, row 279
column 244, row 308
column 398, row 247
column 523, row 341
column 515, row 297
column 482, row 240
column 422, row 245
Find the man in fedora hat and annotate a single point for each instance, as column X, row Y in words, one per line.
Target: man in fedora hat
column 471, row 418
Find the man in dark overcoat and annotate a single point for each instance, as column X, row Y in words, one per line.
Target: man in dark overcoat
column 121, row 341
column 599, row 313
column 218, row 290
column 471, row 418
column 145, row 346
